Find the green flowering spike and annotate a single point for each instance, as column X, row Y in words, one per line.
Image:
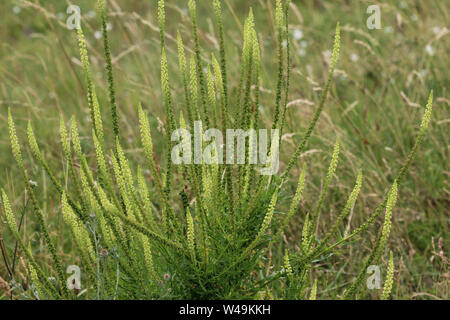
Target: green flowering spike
column 212, row 95
column 298, row 192
column 145, row 196
column 79, row 233
column 268, row 217
column 279, row 25
column 220, row 89
column 162, row 21
column 35, row 281
column 109, row 68
column 257, row 66
column 248, row 66
column 288, row 63
column 423, row 129
column 148, row 148
column 98, row 120
column 171, row 119
column 318, row 112
column 294, row 204
column 427, row 117
column 33, row 143
column 105, row 177
column 331, row 171
column 129, row 209
column 166, row 92
column 209, row 189
column 148, row 258
column 190, row 235
column 107, row 233
column 380, row 244
column 313, row 295
column 194, row 88
column 392, row 200
column 128, row 180
column 14, row 141
column 92, row 97
column 65, row 141
column 198, row 60
column 349, row 205
column 87, row 72
column 223, row 61
column 287, row 265
column 64, row 138
column 125, row 168
column 387, row 289
column 184, row 73
column 10, row 219
column 305, row 235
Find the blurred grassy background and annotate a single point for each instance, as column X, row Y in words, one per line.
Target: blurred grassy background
column 375, row 106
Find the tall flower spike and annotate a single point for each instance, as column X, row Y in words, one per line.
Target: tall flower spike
column 312, row 124
column 147, row 143
column 10, row 219
column 313, row 294
column 331, row 171
column 162, row 21
column 109, row 68
column 35, row 281
column 87, row 72
column 194, row 88
column 220, row 89
column 380, row 243
column 184, row 73
column 279, row 25
column 223, row 61
column 269, row 215
column 305, row 235
column 287, row 265
column 14, row 141
column 294, row 204
column 198, row 60
column 387, row 289
column 423, row 128
column 349, row 205
column 148, row 257
column 288, row 63
column 165, row 85
column 257, row 71
column 212, row 95
column 190, row 235
column 392, row 200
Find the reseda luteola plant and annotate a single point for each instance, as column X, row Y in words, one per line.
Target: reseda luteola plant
column 195, row 231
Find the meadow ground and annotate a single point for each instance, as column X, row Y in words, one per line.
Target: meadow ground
column 375, row 105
